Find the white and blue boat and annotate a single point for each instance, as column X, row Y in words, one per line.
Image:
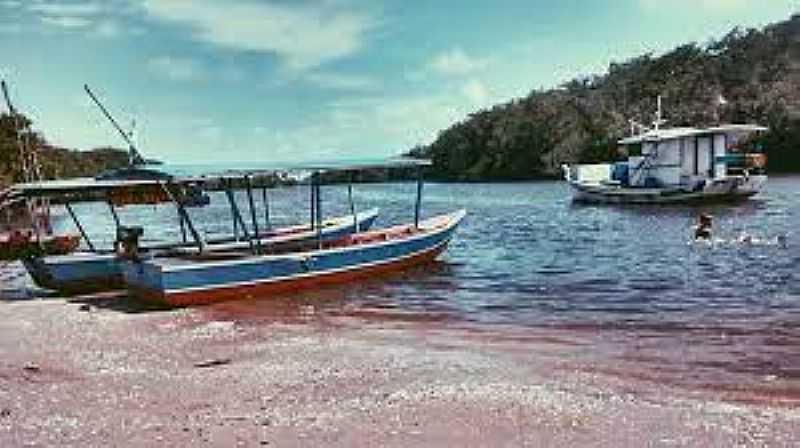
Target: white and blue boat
column 87, row 272
column 96, row 270
column 204, row 277
column 217, row 276
column 676, row 165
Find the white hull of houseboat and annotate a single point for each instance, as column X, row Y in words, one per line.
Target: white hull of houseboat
column 730, row 189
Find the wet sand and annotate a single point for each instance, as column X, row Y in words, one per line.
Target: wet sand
column 105, row 372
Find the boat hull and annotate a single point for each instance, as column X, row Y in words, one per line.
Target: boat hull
column 80, row 273
column 89, row 273
column 729, row 190
column 185, row 284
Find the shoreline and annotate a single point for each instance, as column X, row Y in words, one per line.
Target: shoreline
column 103, row 371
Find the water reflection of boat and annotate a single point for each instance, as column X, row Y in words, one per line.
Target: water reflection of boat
column 676, row 165
column 205, row 277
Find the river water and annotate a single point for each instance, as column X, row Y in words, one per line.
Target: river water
column 629, row 280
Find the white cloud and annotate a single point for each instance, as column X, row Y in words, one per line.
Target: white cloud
column 304, row 35
column 476, row 92
column 339, row 81
column 456, row 62
column 11, row 4
column 68, row 22
column 707, row 5
column 177, row 68
column 108, row 28
column 65, row 15
column 65, row 9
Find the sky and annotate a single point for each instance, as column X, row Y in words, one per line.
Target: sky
column 298, row 80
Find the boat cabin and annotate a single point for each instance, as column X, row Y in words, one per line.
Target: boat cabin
column 679, row 157
column 688, row 156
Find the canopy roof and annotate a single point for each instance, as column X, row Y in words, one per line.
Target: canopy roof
column 261, row 168
column 196, row 174
column 654, row 135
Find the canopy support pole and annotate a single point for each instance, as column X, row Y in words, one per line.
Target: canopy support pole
column 313, row 204
column 183, row 228
column 237, row 215
column 418, row 204
column 265, row 200
column 114, row 214
column 249, row 187
column 185, row 216
column 318, row 207
column 80, row 227
column 352, row 203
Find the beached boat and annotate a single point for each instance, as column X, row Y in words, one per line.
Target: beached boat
column 87, row 272
column 201, row 278
column 25, row 223
column 96, row 270
column 676, row 165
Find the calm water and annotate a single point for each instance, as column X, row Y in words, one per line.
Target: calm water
column 719, row 315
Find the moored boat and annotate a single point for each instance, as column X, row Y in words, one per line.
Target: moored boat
column 206, row 277
column 87, row 272
column 676, row 165
column 95, row 270
column 212, row 277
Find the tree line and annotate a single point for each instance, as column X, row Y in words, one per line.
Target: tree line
column 748, row 75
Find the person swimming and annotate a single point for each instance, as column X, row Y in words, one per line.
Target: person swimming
column 702, row 230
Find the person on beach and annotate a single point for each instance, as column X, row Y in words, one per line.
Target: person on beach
column 702, row 230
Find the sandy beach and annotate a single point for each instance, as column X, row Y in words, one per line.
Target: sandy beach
column 105, row 372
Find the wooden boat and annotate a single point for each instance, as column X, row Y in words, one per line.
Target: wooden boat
column 206, row 277
column 96, row 270
column 212, row 277
column 676, row 166
column 91, row 272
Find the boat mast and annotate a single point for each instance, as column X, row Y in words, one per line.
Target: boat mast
column 659, row 116
column 134, row 157
column 31, row 168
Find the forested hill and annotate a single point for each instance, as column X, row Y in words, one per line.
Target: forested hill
column 56, row 162
column 746, row 76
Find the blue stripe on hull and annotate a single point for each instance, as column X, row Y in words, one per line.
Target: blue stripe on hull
column 89, row 272
column 167, row 278
column 76, row 273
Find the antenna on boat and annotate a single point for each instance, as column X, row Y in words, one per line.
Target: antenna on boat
column 637, row 127
column 659, row 116
column 134, row 157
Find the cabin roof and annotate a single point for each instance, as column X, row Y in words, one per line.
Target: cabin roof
column 654, row 135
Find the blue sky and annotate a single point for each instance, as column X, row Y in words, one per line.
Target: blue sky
column 294, row 80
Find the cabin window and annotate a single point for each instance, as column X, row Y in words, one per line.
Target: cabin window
column 635, row 150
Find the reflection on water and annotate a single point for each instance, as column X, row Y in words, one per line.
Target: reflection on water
column 723, row 314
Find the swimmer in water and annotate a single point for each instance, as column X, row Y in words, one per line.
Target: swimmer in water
column 702, row 230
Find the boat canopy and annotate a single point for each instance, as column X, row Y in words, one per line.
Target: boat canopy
column 241, row 169
column 187, row 175
column 656, row 135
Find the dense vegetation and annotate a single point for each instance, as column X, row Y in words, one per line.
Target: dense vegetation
column 746, row 76
column 56, row 162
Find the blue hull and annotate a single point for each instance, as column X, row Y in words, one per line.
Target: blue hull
column 195, row 280
column 87, row 273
